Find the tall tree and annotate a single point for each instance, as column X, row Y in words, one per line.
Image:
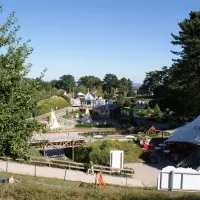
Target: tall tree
column 90, row 82
column 66, row 82
column 110, row 81
column 123, row 86
column 153, row 79
column 186, row 69
column 131, row 92
column 18, row 95
column 82, row 89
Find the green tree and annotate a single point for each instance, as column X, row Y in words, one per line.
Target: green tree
column 53, row 83
column 154, row 79
column 123, row 86
column 18, row 95
column 129, row 102
column 186, row 69
column 131, row 92
column 157, row 111
column 110, row 81
column 66, row 82
column 82, row 89
column 90, row 82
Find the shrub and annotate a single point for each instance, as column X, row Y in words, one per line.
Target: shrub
column 99, row 152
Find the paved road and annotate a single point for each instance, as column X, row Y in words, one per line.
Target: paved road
column 148, row 173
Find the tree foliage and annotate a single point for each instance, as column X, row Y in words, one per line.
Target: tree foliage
column 66, row 82
column 90, row 82
column 18, row 95
column 110, row 83
column 178, row 88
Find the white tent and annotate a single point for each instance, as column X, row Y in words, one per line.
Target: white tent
column 80, row 94
column 187, row 133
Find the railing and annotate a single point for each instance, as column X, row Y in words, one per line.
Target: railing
column 178, row 181
column 191, row 159
column 71, row 165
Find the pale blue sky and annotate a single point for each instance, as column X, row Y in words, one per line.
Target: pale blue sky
column 95, row 37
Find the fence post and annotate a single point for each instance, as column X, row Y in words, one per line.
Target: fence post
column 7, row 166
column 73, row 150
column 161, row 174
column 126, row 180
column 171, row 179
column 96, row 182
column 35, row 171
column 181, row 181
column 65, row 174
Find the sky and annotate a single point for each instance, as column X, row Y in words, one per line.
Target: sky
column 95, row 37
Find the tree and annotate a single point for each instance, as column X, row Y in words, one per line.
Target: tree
column 157, row 111
column 123, row 86
column 131, row 92
column 110, row 81
column 82, row 89
column 18, row 95
column 66, row 82
column 186, row 69
column 152, row 80
column 90, row 82
column 129, row 102
column 53, row 83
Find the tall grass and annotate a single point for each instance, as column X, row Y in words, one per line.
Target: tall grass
column 40, row 192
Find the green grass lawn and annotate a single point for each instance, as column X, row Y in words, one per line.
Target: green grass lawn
column 31, row 180
column 24, row 191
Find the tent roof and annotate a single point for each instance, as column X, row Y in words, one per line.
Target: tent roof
column 80, row 94
column 188, row 133
column 88, row 96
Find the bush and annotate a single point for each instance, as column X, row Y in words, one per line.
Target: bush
column 45, row 106
column 99, row 152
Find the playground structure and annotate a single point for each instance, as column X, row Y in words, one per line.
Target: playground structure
column 153, row 130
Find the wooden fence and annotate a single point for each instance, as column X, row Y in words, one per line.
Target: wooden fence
column 71, row 165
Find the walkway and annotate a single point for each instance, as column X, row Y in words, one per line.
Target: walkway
column 145, row 175
column 148, row 173
column 71, row 175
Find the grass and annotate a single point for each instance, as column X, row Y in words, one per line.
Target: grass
column 45, row 106
column 40, row 192
column 33, row 180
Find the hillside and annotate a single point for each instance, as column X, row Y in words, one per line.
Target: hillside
column 87, row 192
